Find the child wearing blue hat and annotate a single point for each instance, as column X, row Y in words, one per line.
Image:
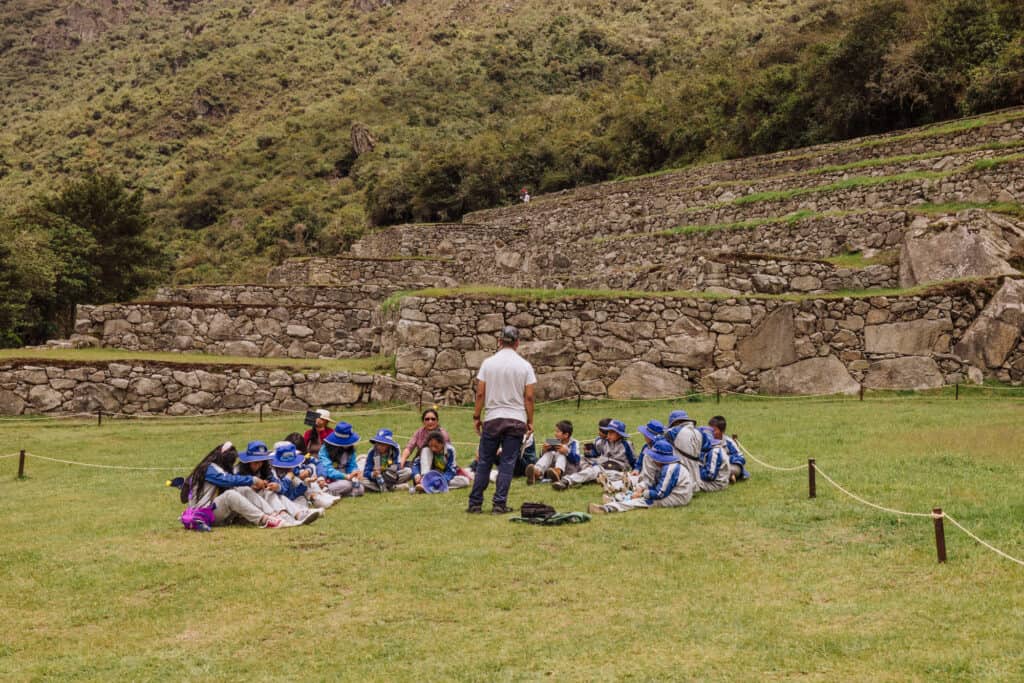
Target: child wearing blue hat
column 610, row 458
column 382, row 471
column 686, row 440
column 337, row 462
column 437, row 456
column 298, row 478
column 255, row 462
column 652, row 431
column 664, row 482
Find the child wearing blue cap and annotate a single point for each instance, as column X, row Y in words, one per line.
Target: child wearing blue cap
column 686, row 440
column 610, row 457
column 664, row 482
column 337, row 462
column 382, row 471
column 437, row 456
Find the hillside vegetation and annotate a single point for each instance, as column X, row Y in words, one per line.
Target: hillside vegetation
column 259, row 129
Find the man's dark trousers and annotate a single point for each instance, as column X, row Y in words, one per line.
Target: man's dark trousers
column 508, row 434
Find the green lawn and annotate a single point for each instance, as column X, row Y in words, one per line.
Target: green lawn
column 372, row 365
column 754, row 583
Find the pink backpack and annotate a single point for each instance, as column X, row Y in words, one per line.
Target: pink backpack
column 197, row 519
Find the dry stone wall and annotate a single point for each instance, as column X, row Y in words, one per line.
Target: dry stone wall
column 283, row 331
column 373, row 277
column 173, row 389
column 588, row 346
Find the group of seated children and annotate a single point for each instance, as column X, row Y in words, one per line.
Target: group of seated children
column 674, row 462
column 303, row 475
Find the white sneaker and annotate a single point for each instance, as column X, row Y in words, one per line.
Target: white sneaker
column 309, row 516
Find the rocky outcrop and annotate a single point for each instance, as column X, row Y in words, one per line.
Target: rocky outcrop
column 995, row 333
column 812, row 376
column 970, row 244
column 910, row 372
column 645, row 380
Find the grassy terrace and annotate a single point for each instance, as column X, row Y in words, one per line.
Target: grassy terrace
column 374, row 365
column 513, row 294
column 821, row 590
column 1006, row 208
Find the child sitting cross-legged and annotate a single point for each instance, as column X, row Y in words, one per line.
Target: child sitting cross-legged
column 559, row 453
column 439, row 456
column 254, row 462
column 610, row 459
column 664, row 482
column 337, row 463
column 382, row 471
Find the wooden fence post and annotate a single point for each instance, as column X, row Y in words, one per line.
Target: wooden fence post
column 940, row 534
column 21, row 464
column 812, row 485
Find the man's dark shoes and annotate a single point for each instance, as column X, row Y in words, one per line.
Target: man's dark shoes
column 474, row 509
column 501, row 509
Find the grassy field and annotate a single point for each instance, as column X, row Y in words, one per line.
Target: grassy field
column 754, row 583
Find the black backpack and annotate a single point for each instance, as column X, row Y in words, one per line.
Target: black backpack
column 536, row 511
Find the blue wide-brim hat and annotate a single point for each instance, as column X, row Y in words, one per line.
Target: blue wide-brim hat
column 653, row 430
column 661, row 451
column 286, row 455
column 385, row 436
column 256, row 451
column 619, row 427
column 343, row 435
column 434, row 482
column 679, row 415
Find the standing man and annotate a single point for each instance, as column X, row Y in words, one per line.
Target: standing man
column 505, row 385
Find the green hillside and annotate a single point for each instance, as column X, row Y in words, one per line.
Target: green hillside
column 236, row 119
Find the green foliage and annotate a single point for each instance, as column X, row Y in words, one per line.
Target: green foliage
column 85, row 244
column 240, row 162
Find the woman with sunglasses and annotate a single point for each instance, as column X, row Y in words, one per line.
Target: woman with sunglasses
column 419, row 439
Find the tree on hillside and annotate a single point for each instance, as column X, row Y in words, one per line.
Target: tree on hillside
column 87, row 244
column 126, row 261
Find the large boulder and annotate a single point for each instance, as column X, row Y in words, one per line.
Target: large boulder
column 11, row 403
column 977, row 246
column 645, row 380
column 909, row 372
column 772, row 343
column 822, row 375
column 328, row 393
column 412, row 333
column 416, row 361
column 90, row 396
column 994, row 333
column 551, row 353
column 914, row 338
column 724, row 378
column 552, row 386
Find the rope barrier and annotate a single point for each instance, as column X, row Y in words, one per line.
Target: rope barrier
column 9, row 455
column 768, row 465
column 104, row 467
column 991, row 547
column 894, row 511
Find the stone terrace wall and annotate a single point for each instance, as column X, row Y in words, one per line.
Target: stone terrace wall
column 171, row 389
column 627, row 209
column 726, row 273
column 366, row 276
column 237, row 330
column 630, row 347
column 354, row 297
column 647, row 194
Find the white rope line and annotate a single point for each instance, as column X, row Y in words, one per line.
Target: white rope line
column 768, row 465
column 868, row 502
column 105, row 467
column 984, row 543
column 9, row 455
